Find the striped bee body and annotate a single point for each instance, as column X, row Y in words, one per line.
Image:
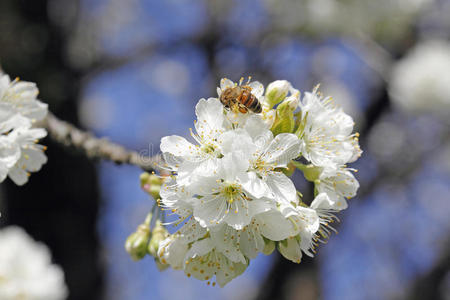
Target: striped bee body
column 240, row 99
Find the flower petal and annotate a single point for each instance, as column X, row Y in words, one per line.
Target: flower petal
column 283, row 148
column 210, row 118
column 290, row 249
column 257, row 89
column 226, row 240
column 274, row 226
column 234, row 165
column 210, row 210
column 178, row 146
column 282, row 187
column 254, row 185
column 226, row 83
column 251, row 242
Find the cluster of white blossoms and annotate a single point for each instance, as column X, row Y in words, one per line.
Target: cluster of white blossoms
column 386, row 20
column 420, row 81
column 19, row 110
column 230, row 187
column 26, row 271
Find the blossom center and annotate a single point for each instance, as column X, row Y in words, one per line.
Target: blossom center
column 208, row 148
column 231, row 192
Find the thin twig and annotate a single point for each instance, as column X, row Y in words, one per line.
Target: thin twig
column 97, row 148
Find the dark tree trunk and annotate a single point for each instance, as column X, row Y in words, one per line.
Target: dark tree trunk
column 59, row 205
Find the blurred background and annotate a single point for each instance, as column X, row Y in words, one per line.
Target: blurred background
column 133, row 70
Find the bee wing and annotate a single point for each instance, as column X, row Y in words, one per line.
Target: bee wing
column 257, row 89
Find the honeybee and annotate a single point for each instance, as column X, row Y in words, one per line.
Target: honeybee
column 239, row 98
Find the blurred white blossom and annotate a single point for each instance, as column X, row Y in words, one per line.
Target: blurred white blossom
column 420, row 81
column 387, row 20
column 26, row 270
column 19, row 110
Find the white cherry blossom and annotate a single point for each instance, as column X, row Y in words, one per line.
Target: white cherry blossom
column 419, row 81
column 20, row 97
column 204, row 261
column 233, row 196
column 266, row 156
column 202, row 158
column 325, row 208
column 19, row 109
column 326, row 132
column 19, row 151
column 231, row 193
column 173, row 250
column 338, row 185
column 26, row 270
column 307, row 222
column 271, row 225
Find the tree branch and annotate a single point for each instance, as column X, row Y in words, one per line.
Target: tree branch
column 97, row 148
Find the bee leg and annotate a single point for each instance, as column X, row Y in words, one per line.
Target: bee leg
column 242, row 109
column 234, row 108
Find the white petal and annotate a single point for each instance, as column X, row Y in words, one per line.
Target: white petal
column 32, row 159
column 210, row 118
column 236, row 140
column 207, row 168
column 309, row 219
column 203, row 186
column 228, row 272
column 257, row 89
column 255, row 126
column 282, row 150
column 233, row 165
column 274, row 226
column 322, row 201
column 282, row 187
column 254, row 185
column 18, row 175
column 200, row 248
column 9, row 151
column 178, row 146
column 191, row 231
column 290, row 249
column 226, row 240
column 226, row 83
column 238, row 218
column 251, row 242
column 11, row 120
column 210, row 211
column 173, row 251
column 306, row 242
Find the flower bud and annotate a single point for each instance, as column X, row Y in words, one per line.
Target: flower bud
column 136, row 243
column 159, row 234
column 151, row 183
column 160, row 265
column 269, row 246
column 276, row 92
column 311, row 172
column 284, row 120
column 292, row 101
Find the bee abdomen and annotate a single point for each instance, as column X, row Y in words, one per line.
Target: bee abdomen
column 255, row 106
column 250, row 101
